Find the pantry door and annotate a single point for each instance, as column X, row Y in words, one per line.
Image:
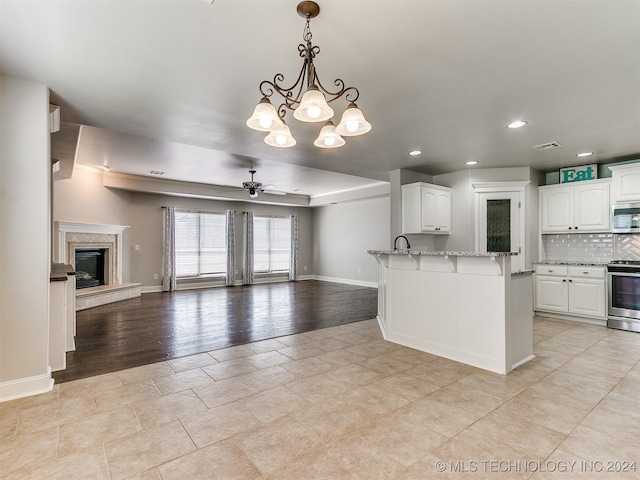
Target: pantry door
column 499, row 222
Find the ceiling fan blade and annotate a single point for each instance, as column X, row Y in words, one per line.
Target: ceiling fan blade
column 274, row 192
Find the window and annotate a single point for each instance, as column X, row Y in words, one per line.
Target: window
column 271, row 244
column 200, row 244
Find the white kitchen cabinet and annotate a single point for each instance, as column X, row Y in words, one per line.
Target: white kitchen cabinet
column 426, row 208
column 625, row 183
column 551, row 293
column 583, row 207
column 571, row 290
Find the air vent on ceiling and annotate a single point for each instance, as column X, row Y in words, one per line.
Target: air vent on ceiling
column 156, row 172
column 547, row 146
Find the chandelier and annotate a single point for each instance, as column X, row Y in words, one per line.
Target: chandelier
column 308, row 99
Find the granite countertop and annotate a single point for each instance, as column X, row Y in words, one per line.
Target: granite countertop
column 60, row 272
column 441, row 254
column 571, row 264
column 522, row 273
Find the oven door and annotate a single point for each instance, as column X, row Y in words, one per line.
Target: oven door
column 624, row 294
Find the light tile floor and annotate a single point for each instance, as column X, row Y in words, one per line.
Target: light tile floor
column 341, row 403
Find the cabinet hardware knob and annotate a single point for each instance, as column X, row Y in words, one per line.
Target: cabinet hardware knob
column 564, row 279
column 570, row 280
column 570, row 228
column 586, row 273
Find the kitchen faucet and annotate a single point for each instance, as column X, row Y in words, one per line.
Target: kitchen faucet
column 395, row 247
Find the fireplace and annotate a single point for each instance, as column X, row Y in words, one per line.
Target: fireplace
column 90, row 267
column 95, row 252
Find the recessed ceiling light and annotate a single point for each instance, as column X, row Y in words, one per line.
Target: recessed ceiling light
column 471, row 162
column 584, row 154
column 517, row 124
column 413, row 153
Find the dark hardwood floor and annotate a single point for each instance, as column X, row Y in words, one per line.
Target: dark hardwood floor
column 162, row 326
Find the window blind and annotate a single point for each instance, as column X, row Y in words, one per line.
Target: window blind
column 200, row 244
column 271, row 244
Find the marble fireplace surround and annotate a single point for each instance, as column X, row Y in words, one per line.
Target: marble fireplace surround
column 70, row 236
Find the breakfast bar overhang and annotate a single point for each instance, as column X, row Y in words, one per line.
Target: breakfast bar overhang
column 466, row 307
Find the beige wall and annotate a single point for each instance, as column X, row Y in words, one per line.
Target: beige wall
column 146, row 231
column 24, row 238
column 343, row 233
column 82, row 198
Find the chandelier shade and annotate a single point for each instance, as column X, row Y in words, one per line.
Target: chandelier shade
column 280, row 137
column 265, row 117
column 313, row 107
column 328, row 137
column 308, row 99
column 353, row 122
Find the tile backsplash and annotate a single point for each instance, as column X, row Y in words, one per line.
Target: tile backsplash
column 419, row 242
column 590, row 247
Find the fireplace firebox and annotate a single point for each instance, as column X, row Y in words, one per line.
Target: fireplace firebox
column 90, row 267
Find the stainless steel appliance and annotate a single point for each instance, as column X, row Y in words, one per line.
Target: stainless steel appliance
column 624, row 295
column 625, row 218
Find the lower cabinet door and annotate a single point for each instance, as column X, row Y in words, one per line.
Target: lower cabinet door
column 587, row 297
column 551, row 294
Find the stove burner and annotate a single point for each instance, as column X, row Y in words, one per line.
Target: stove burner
column 625, row 262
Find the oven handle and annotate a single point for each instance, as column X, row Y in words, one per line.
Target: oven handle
column 623, row 274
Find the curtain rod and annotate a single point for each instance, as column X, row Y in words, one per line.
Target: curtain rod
column 197, row 210
column 270, row 215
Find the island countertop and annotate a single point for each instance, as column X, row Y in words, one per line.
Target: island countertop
column 465, row 306
column 441, row 253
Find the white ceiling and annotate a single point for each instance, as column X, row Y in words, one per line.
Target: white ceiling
column 444, row 76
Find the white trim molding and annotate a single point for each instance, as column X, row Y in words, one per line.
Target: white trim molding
column 25, row 387
column 65, row 231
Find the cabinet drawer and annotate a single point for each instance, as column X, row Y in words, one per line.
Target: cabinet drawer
column 555, row 270
column 587, row 272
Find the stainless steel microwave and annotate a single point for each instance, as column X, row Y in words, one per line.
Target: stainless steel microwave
column 625, row 218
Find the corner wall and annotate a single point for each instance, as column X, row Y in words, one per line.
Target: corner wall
column 343, row 233
column 25, row 239
column 82, row 198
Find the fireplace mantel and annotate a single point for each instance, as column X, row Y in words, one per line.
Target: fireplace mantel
column 71, row 235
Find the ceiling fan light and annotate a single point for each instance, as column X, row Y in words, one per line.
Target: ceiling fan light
column 253, row 193
column 328, row 138
column 280, row 137
column 353, row 122
column 265, row 117
column 313, row 107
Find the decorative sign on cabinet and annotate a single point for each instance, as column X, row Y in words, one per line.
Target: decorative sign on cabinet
column 426, row 208
column 576, row 208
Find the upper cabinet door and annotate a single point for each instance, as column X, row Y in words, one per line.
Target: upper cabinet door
column 583, row 207
column 429, row 210
column 426, row 208
column 556, row 210
column 444, row 211
column 626, row 183
column 592, row 208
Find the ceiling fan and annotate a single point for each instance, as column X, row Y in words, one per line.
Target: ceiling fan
column 254, row 187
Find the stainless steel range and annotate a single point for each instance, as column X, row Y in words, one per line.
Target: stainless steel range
column 624, row 295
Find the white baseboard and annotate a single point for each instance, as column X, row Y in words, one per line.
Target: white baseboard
column 348, row 281
column 573, row 318
column 25, row 387
column 193, row 286
column 152, row 289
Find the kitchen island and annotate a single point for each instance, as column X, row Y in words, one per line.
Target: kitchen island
column 465, row 306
